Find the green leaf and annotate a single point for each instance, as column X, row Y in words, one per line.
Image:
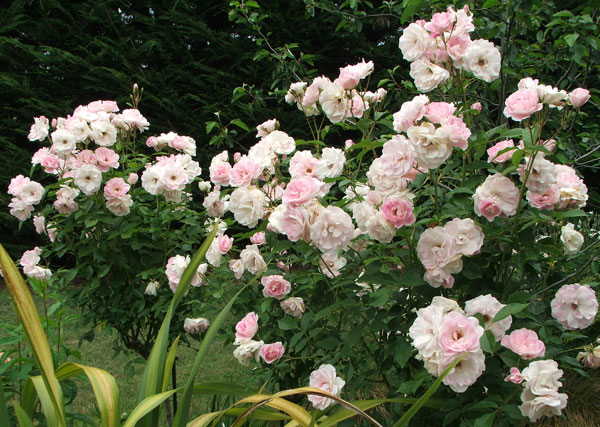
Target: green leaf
column 90, row 222
column 402, row 353
column 486, row 420
column 240, row 124
column 287, row 323
column 488, row 342
column 145, row 406
column 380, row 297
column 508, row 310
column 573, row 213
column 491, row 3
column 571, row 38
column 328, row 343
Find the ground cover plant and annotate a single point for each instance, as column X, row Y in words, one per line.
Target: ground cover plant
column 398, row 248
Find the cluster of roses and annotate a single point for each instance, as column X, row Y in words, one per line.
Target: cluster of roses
column 30, row 264
column 170, row 175
column 338, row 99
column 248, row 349
column 441, row 249
column 437, row 47
column 185, row 144
column 432, row 144
column 26, row 194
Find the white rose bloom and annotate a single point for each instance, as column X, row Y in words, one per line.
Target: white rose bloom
column 552, row 96
column 489, row 306
column 263, row 154
column 103, row 133
column 247, row 205
column 427, row 75
column 379, row 179
column 31, row 192
column 281, row 142
column 214, row 255
column 332, row 230
column 88, row 179
column 152, row 180
column 276, row 217
column 195, row 326
column 548, row 405
column 380, row 229
column 362, row 212
column 247, row 350
column 79, row 128
column 431, row 149
column 252, row 260
column 152, row 288
column 293, row 306
column 542, row 376
column 37, row 272
column 414, row 42
column 483, row 59
column 119, row 205
column 39, row 129
column 237, row 267
column 542, row 176
column 331, row 164
column 334, row 102
column 571, row 238
column 63, row 142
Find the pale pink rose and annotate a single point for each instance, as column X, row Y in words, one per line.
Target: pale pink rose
column 515, row 376
column 410, row 113
column 37, row 272
column 457, row 47
column 39, row 156
column 237, row 267
column 332, row 230
column 133, row 118
column 335, row 103
column 243, row 172
column 258, row 238
column 590, row 358
column 224, row 243
column 331, row 263
column 102, row 105
column 348, row 143
column 39, row 129
column 425, row 330
column 549, row 404
column 458, row 131
column 246, row 328
column 119, row 206
column 195, row 326
column 331, row 164
column 442, row 276
column 247, row 205
column 432, row 146
column 214, row 205
column 116, row 187
column 578, row 97
column 459, row 334
column 280, row 142
column 575, row 306
column 500, row 146
column 525, row 343
column 311, row 93
column 573, row 192
column 379, row 228
column 436, row 247
column 293, row 306
column 398, row 156
column 440, row 23
column 51, row 164
column 271, row 352
column 468, row 236
column 359, row 105
column 300, row 190
column 266, row 128
column 546, row 200
column 106, row 159
column 302, row 163
column 275, row 286
column 483, row 59
column 31, row 192
column 16, row 184
column 326, row 379
column 415, row 42
column 542, row 176
column 498, row 195
column 427, row 75
column 252, row 260
column 466, row 373
column 398, row 211
column 522, row 104
column 435, row 112
column 39, row 223
column 489, row 306
column 348, row 78
column 295, row 223
column 173, row 177
column 31, row 257
column 132, row 178
column 476, row 106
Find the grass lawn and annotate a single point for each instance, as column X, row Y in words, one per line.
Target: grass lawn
column 219, row 364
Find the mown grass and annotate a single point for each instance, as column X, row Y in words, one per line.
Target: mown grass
column 219, row 364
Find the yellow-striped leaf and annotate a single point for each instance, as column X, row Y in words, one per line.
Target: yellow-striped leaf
column 145, row 406
column 26, row 310
column 22, row 417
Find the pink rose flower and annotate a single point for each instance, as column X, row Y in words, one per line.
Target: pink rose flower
column 246, row 328
column 224, row 243
column 459, row 334
column 219, row 173
column 332, row 230
column 494, row 157
column 525, row 343
column 515, row 376
column 244, row 171
column 579, row 97
column 440, row 23
column 295, row 224
column 476, row 106
column 30, row 258
column 575, row 306
column 300, row 190
column 132, row 178
column 326, row 379
column 522, row 104
column 457, row 131
column 498, row 195
column 258, row 238
column 271, row 352
column 398, row 211
column 106, row 159
column 410, row 112
column 115, row 187
column 275, row 286
column 435, row 112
